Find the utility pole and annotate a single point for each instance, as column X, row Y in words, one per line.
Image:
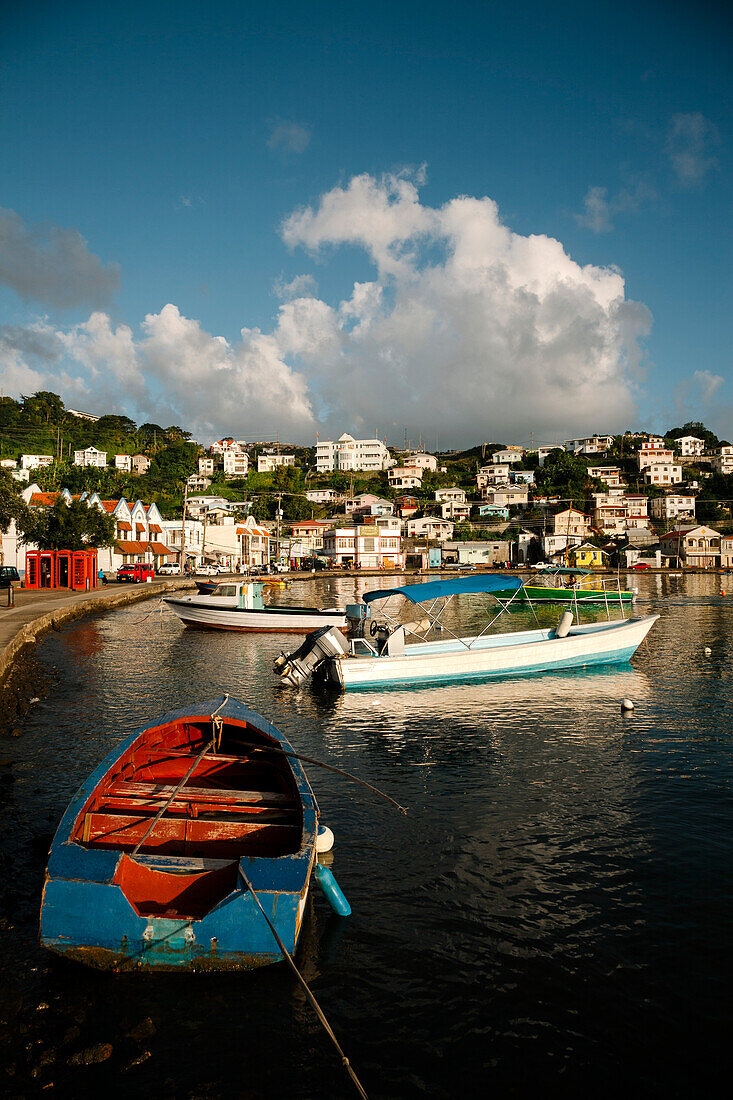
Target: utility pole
column 203, row 540
column 183, row 527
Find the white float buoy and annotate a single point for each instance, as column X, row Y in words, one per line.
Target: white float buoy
column 708, row 651
column 324, row 839
column 626, row 704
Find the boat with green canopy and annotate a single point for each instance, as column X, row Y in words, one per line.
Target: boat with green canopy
column 588, row 588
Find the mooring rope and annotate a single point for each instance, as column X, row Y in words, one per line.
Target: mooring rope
column 314, row 1003
column 318, row 764
column 216, row 730
column 147, row 615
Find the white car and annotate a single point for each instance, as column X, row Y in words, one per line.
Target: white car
column 169, row 568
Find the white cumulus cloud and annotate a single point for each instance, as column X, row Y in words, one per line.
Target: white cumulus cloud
column 467, row 328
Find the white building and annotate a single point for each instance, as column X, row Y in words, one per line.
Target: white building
column 672, row 506
column 35, row 462
column 663, row 473
column 90, row 457
column 496, row 473
column 504, row 496
column 723, row 460
column 206, row 467
column 452, row 493
column 653, row 452
column 347, row 454
column 455, row 510
column 323, row 496
column 571, row 521
column 141, row 464
column 589, row 445
column 365, row 546
column 610, row 475
column 637, row 510
column 198, row 482
column 690, row 445
column 405, row 477
column 543, row 452
column 557, row 544
column 509, row 454
column 420, row 458
column 309, row 533
column 236, row 463
column 194, row 535
column 267, row 464
column 227, row 444
column 124, row 463
column 199, row 506
column 616, row 513
column 430, row 527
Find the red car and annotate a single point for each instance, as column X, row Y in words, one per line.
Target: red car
column 641, row 565
column 134, row 574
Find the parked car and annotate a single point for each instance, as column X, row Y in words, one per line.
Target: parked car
column 170, row 569
column 641, row 565
column 9, row 577
column 209, row 570
column 135, row 574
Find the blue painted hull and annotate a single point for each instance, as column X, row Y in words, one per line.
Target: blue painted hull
column 89, row 913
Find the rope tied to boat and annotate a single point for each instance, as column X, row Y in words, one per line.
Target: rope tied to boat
column 319, row 764
column 216, row 731
column 308, row 992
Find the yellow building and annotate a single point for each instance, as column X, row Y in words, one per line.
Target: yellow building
column 587, row 556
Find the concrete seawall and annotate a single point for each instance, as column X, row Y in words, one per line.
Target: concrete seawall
column 38, row 612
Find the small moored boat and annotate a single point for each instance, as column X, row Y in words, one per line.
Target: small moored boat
column 385, row 658
column 129, row 885
column 241, row 606
column 585, row 589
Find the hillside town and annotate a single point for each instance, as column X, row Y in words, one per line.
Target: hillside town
column 596, row 502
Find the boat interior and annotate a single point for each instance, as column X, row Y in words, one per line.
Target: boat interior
column 395, row 643
column 236, row 802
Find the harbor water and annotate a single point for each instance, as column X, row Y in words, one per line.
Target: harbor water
column 552, row 917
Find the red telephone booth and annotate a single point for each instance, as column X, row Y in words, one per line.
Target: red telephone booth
column 31, row 568
column 63, row 568
column 92, row 568
column 46, row 570
column 78, row 570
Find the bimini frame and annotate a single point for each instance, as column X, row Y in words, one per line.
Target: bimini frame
column 439, row 594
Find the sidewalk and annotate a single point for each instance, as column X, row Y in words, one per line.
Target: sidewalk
column 37, row 612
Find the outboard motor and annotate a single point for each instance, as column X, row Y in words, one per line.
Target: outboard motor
column 295, row 668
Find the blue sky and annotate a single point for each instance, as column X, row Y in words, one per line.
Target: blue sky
column 178, row 140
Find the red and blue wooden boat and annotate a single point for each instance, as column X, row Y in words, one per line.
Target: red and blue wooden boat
column 126, row 887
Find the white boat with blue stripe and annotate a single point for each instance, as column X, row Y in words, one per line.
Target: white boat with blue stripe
column 381, row 656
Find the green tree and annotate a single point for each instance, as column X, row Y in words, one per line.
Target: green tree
column 698, row 429
column 12, row 505
column 43, row 407
column 72, row 526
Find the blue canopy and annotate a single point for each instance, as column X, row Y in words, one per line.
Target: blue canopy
column 455, row 586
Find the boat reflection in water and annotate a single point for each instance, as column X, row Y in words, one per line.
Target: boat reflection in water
column 521, row 699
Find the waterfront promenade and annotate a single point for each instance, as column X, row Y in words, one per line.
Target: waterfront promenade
column 38, row 611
